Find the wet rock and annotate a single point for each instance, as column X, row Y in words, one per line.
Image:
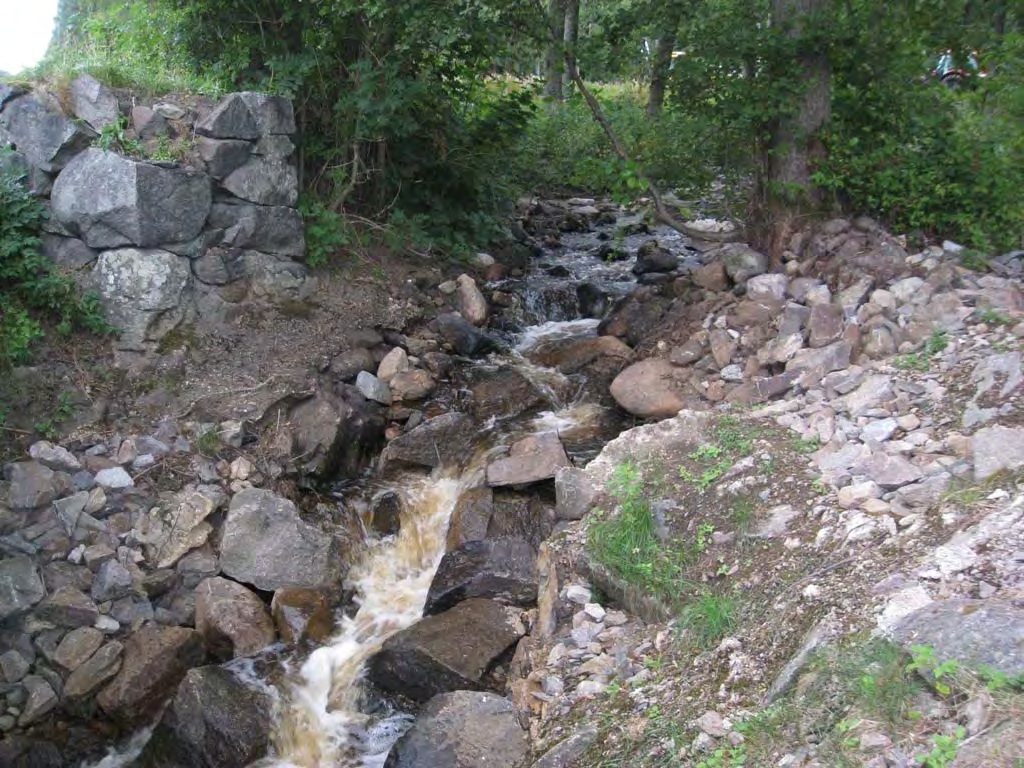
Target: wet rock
column 110, row 201
column 20, row 586
column 647, row 389
column 462, row 336
column 530, row 460
column 501, row 569
column 178, row 524
column 447, row 652
column 651, row 257
column 155, row 660
column 997, row 448
column 593, row 300
column 265, row 543
column 214, row 721
column 95, row 672
column 22, row 752
column 521, row 515
column 635, row 317
column 504, row 394
column 386, row 514
column 463, row 729
column 441, row 441
column 32, row 485
column 471, row 516
column 232, row 620
column 572, row 355
column 976, row 633
column 302, row 613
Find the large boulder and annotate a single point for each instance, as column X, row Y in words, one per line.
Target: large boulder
column 448, row 652
column 43, row 135
column 155, row 660
column 232, row 619
column 572, row 355
column 463, row 729
column 145, row 293
column 742, row 262
column 264, row 181
column 214, row 721
column 530, row 460
column 502, row 569
column 441, row 441
column 20, row 586
column 93, row 102
column 463, row 337
column 504, row 394
column 110, row 201
column 264, row 228
column 248, row 116
column 652, row 257
column 266, row 544
column 648, row 389
column 976, row 633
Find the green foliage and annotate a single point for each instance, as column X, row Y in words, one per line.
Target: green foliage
column 940, row 673
column 114, row 138
column 709, row 618
column 33, row 294
column 726, row 757
column 944, row 749
column 327, row 233
column 49, row 428
column 734, row 440
column 921, row 361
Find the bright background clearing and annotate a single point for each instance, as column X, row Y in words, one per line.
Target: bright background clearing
column 25, row 32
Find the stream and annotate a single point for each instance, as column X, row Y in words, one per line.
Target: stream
column 326, row 715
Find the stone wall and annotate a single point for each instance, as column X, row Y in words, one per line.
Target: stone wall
column 164, row 243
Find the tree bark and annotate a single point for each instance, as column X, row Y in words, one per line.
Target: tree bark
column 796, row 145
column 555, row 59
column 662, row 63
column 570, row 37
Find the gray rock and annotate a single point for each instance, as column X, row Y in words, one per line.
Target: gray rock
column 373, row 388
column 114, row 478
column 742, row 262
column 178, row 524
column 568, row 751
column 995, row 449
column 96, row 671
column 9, row 91
column 77, row 647
column 500, row 569
column 277, row 278
column 14, row 666
column 575, row 493
column 891, row 471
column 772, row 286
column 93, row 102
column 441, row 441
column 41, row 700
column 31, row 485
column 275, row 145
column 248, row 116
column 70, row 509
column 20, row 586
column 47, row 139
column 113, row 581
column 111, row 201
column 826, row 325
column 265, row 543
column 651, row 257
column 450, row 651
column 144, row 292
column 875, row 392
column 530, row 460
column 154, row 662
column 223, row 156
column 462, row 336
column 68, row 606
column 264, row 181
column 214, row 721
column 879, row 431
column 973, row 632
column 464, row 729
column 268, row 229
column 55, row 457
column 232, row 620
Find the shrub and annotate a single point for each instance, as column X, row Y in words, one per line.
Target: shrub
column 34, row 295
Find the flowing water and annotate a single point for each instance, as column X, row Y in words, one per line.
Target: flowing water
column 325, row 717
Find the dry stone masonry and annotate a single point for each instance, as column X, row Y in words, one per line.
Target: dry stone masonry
column 165, row 244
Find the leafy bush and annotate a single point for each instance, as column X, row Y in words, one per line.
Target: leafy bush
column 34, row 296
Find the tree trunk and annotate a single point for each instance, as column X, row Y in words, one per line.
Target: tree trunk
column 555, row 58
column 662, row 63
column 571, row 36
column 796, row 145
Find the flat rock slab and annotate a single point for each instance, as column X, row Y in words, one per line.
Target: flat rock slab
column 448, row 652
column 973, row 632
column 531, row 460
column 503, row 569
column 464, row 729
column 441, row 441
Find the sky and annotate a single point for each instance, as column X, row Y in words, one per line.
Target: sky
column 25, row 32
